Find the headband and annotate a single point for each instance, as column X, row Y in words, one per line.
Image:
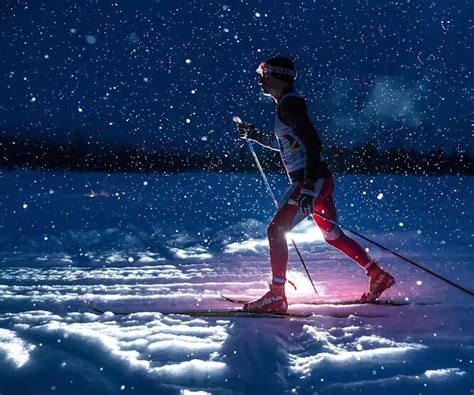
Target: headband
column 265, row 68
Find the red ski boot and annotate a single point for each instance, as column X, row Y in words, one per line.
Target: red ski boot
column 379, row 281
column 274, row 301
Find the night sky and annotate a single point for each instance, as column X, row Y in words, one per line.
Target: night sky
column 171, row 74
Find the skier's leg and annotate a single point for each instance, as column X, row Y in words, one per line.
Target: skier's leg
column 286, row 217
column 379, row 280
column 284, row 220
column 332, row 233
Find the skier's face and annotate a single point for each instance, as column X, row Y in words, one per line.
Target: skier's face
column 267, row 82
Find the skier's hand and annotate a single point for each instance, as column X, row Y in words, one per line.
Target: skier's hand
column 246, row 130
column 306, row 201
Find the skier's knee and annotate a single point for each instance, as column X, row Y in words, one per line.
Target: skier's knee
column 275, row 231
column 332, row 235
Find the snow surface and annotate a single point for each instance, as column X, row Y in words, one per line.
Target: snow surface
column 154, row 244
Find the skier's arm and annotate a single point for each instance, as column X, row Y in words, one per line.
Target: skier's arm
column 249, row 131
column 264, row 139
column 293, row 113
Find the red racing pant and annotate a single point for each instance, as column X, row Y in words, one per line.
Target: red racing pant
column 288, row 216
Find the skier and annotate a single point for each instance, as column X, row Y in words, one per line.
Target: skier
column 311, row 186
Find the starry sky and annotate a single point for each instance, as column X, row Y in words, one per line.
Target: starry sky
column 171, row 74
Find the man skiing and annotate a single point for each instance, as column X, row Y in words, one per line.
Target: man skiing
column 311, row 187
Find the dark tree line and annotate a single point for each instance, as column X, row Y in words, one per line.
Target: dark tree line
column 77, row 155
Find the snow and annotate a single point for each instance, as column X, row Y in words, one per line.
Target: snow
column 14, row 349
column 134, row 248
column 91, row 39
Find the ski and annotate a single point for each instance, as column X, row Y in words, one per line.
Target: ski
column 238, row 313
column 336, row 302
column 246, row 314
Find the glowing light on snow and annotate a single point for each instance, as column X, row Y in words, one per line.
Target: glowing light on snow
column 147, row 259
column 192, row 252
column 189, row 392
column 142, row 342
column 306, row 232
column 419, row 282
column 303, row 286
column 441, row 373
column 195, row 368
column 185, row 344
column 25, row 205
column 33, row 99
column 204, row 138
column 247, row 245
column 79, row 109
column 188, row 120
column 258, row 15
column 188, row 61
column 380, row 196
column 15, row 349
column 381, row 349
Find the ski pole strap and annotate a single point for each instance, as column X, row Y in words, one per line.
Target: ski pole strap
column 292, row 283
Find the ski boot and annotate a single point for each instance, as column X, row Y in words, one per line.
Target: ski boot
column 274, row 301
column 379, row 281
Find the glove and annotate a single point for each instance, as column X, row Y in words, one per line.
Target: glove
column 246, row 130
column 306, row 201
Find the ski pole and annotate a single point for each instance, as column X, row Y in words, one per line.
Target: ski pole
column 275, row 202
column 294, row 202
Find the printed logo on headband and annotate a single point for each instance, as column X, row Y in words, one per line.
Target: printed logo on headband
column 264, row 69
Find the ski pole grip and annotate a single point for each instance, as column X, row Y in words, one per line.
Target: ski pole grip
column 236, row 119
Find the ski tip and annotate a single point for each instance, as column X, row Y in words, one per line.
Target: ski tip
column 236, row 119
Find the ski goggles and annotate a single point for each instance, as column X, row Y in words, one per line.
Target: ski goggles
column 264, row 69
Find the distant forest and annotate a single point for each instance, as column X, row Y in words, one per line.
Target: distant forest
column 77, row 155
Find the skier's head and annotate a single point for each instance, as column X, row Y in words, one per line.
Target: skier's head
column 276, row 75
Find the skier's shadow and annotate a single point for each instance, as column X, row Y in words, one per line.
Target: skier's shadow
column 257, row 353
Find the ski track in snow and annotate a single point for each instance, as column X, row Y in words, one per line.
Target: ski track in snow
column 51, row 341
